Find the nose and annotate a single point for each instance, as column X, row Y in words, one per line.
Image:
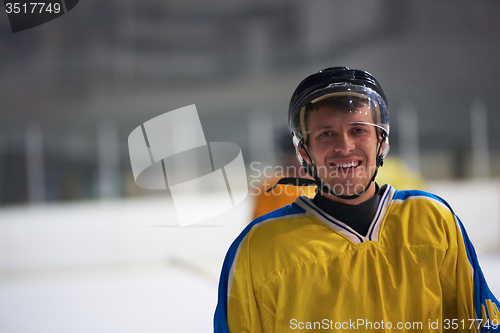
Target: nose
column 344, row 144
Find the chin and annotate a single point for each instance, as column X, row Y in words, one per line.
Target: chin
column 347, row 187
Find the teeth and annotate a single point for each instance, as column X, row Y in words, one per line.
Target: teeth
column 352, row 164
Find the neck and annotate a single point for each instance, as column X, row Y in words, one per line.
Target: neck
column 370, row 192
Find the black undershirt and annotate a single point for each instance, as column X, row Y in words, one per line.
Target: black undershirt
column 358, row 217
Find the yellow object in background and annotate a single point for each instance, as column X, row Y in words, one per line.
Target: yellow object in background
column 399, row 176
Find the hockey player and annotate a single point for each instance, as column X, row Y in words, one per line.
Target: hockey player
column 356, row 257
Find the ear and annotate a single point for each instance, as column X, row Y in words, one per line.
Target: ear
column 380, row 139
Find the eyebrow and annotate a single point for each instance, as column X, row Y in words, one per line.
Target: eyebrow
column 352, row 123
column 357, row 123
column 320, row 128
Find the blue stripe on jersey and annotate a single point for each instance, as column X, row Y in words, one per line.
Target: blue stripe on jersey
column 404, row 195
column 481, row 290
column 220, row 317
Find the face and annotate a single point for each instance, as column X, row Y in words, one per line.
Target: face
column 343, row 149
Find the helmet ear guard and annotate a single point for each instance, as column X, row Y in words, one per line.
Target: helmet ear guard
column 385, row 151
column 308, row 167
column 297, row 143
column 300, row 145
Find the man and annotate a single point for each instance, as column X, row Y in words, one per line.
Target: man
column 356, row 256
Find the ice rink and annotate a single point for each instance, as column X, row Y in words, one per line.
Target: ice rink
column 127, row 266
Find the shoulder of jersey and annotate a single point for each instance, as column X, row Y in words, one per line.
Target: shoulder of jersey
column 288, row 211
column 284, row 213
column 423, row 201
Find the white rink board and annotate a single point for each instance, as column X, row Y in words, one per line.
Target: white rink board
column 108, row 232
column 477, row 204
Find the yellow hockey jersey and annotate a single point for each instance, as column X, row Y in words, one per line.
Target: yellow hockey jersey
column 298, row 268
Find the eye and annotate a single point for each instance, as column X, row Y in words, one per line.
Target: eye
column 359, row 130
column 325, row 134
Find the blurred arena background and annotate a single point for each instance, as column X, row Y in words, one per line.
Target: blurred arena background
column 82, row 248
